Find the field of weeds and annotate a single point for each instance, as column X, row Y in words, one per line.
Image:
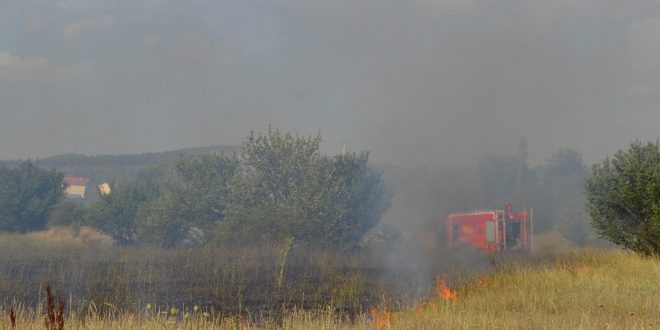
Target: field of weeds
column 134, row 289
column 585, row 289
column 259, row 281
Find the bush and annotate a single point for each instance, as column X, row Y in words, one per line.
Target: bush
column 27, row 196
column 623, row 198
column 67, row 213
column 293, row 190
column 116, row 214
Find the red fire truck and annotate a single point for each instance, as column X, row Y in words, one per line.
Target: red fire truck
column 491, row 231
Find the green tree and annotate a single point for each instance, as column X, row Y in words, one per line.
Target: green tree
column 352, row 196
column 116, row 214
column 202, row 187
column 498, row 180
column 293, row 191
column 280, row 163
column 623, row 198
column 563, row 208
column 163, row 223
column 68, row 213
column 152, row 177
column 196, row 196
column 268, row 202
column 28, row 194
column 522, row 172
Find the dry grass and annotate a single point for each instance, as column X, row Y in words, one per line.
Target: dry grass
column 578, row 290
column 587, row 289
column 246, row 279
column 66, row 235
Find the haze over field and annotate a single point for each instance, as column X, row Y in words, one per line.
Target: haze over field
column 183, row 164
column 417, row 82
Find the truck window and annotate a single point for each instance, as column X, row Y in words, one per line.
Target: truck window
column 455, row 230
column 490, row 231
column 513, row 234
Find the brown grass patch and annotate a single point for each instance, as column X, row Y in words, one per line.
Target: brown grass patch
column 67, row 235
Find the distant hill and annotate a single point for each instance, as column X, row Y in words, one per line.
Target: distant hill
column 108, row 168
column 100, row 168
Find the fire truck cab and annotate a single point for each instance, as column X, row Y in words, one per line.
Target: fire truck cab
column 491, row 231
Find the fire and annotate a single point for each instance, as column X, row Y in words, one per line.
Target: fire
column 418, row 308
column 482, row 283
column 582, row 268
column 443, row 291
column 382, row 318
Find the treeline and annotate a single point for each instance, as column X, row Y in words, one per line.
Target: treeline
column 28, row 194
column 101, row 168
column 617, row 200
column 279, row 187
column 424, row 197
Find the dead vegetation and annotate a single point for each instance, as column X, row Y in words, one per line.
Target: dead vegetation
column 585, row 289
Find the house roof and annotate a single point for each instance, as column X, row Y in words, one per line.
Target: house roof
column 76, row 181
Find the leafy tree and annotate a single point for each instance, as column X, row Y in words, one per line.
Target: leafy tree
column 563, row 197
column 162, row 222
column 202, row 186
column 623, row 198
column 504, row 178
column 280, row 163
column 498, row 180
column 352, row 196
column 67, row 213
column 153, row 177
column 294, row 191
column 116, row 214
column 270, row 200
column 196, row 195
column 27, row 196
column 523, row 173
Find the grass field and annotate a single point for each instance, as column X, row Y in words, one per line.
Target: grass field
column 246, row 280
column 578, row 290
column 584, row 289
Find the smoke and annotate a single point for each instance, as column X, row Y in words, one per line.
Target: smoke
column 423, row 84
column 418, row 83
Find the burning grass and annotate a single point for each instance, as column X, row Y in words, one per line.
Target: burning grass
column 585, row 289
column 443, row 291
column 577, row 290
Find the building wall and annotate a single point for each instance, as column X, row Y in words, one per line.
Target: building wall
column 75, row 191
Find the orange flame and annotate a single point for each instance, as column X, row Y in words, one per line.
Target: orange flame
column 418, row 308
column 443, row 291
column 482, row 283
column 381, row 319
column 582, row 268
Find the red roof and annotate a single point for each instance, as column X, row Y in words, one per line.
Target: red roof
column 76, row 181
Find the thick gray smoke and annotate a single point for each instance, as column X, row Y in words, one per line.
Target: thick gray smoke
column 418, row 82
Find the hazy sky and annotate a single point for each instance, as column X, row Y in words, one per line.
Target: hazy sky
column 417, row 82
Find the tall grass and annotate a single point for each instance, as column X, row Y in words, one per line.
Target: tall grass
column 238, row 280
column 578, row 290
column 218, row 288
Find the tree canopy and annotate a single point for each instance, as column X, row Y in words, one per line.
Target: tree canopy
column 196, row 196
column 116, row 214
column 27, row 196
column 623, row 198
column 279, row 187
column 290, row 190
